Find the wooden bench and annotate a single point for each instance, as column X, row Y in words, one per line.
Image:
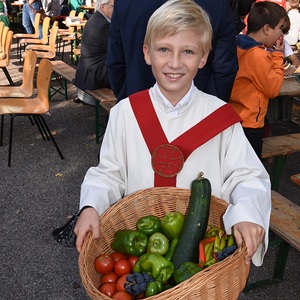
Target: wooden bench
column 66, row 73
column 285, row 223
column 106, row 99
column 278, row 148
column 296, row 178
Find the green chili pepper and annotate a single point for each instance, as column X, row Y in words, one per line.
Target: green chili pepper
column 185, row 271
column 172, row 247
column 155, row 265
column 172, row 224
column 149, row 225
column 153, row 288
column 158, row 243
column 130, row 242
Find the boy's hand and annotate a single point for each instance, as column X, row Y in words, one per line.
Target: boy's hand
column 252, row 234
column 88, row 220
column 279, row 45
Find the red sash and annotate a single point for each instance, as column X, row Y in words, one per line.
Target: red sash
column 168, row 158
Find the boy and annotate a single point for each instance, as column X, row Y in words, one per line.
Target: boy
column 260, row 74
column 177, row 43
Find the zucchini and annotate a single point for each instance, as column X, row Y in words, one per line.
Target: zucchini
column 195, row 224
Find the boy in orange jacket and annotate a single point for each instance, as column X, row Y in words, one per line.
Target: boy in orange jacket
column 260, row 74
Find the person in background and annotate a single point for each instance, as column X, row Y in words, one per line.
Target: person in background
column 3, row 13
column 74, row 5
column 292, row 37
column 91, row 72
column 260, row 74
column 177, row 43
column 28, row 15
column 52, row 7
column 127, row 69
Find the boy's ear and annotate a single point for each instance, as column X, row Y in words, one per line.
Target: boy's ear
column 203, row 60
column 146, row 55
column 266, row 29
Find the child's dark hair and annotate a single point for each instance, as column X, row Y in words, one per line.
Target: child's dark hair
column 263, row 13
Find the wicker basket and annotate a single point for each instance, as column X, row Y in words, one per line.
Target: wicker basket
column 223, row 280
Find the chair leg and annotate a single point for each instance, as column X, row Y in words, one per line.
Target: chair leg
column 50, row 134
column 7, row 76
column 1, row 130
column 41, row 128
column 10, row 139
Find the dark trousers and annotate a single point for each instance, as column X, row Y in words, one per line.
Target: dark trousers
column 255, row 137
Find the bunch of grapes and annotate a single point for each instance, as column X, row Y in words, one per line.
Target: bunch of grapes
column 136, row 283
column 226, row 252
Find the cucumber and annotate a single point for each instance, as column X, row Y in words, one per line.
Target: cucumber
column 195, row 224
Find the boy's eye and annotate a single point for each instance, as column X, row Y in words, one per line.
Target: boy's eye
column 188, row 51
column 163, row 49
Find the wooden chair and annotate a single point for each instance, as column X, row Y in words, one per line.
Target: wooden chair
column 33, row 107
column 46, row 51
column 6, row 61
column 34, row 35
column 43, row 41
column 27, row 87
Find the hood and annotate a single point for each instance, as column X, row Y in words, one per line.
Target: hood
column 245, row 42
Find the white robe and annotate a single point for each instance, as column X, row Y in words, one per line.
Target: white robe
column 227, row 160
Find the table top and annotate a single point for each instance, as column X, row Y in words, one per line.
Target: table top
column 17, row 3
column 296, row 178
column 281, row 145
column 87, row 7
column 290, row 87
column 75, row 24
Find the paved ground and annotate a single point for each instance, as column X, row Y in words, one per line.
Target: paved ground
column 40, row 191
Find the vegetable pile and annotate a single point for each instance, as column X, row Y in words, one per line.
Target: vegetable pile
column 163, row 252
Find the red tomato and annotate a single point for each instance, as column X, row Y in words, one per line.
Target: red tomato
column 122, row 296
column 108, row 289
column 140, row 296
column 122, row 267
column 110, row 277
column 121, row 281
column 104, row 264
column 117, row 256
column 132, row 260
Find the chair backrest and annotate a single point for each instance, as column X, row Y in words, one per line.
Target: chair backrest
column 36, row 25
column 7, row 47
column 52, row 38
column 72, row 13
column 45, row 30
column 81, row 15
column 43, row 83
column 28, row 72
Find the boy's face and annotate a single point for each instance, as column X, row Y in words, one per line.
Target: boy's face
column 175, row 61
column 273, row 34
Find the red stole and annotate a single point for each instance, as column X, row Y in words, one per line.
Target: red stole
column 168, row 158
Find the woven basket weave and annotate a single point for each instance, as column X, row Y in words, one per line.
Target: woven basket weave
column 223, row 280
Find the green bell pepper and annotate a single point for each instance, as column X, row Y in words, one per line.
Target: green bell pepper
column 149, row 225
column 185, row 271
column 172, row 247
column 130, row 242
column 153, row 288
column 155, row 265
column 172, row 224
column 158, row 243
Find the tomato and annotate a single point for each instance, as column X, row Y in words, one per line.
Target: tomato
column 121, row 267
column 108, row 289
column 122, row 296
column 110, row 277
column 104, row 264
column 121, row 281
column 117, row 256
column 132, row 260
column 140, row 296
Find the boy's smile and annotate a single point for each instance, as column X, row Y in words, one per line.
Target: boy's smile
column 175, row 60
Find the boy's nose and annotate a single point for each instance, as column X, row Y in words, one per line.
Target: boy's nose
column 175, row 61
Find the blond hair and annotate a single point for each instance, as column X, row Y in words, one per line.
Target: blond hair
column 175, row 16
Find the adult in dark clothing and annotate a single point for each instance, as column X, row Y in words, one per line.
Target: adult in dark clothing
column 128, row 72
column 91, row 72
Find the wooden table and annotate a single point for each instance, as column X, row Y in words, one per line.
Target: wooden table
column 89, row 8
column 279, row 147
column 290, row 87
column 296, row 179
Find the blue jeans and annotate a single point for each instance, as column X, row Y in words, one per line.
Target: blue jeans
column 28, row 17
